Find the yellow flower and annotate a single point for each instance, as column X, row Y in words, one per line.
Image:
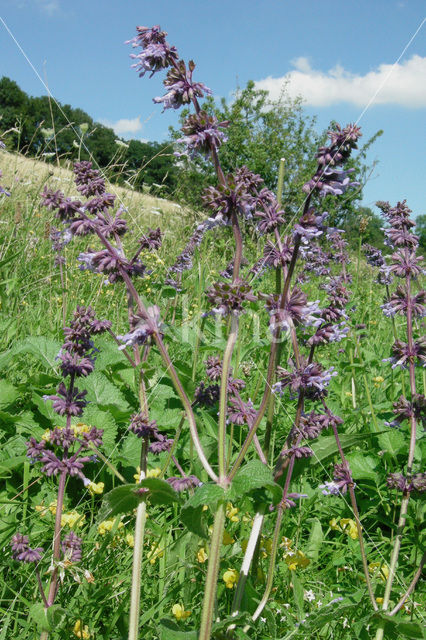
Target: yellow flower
column 95, row 488
column 348, row 394
column 46, row 435
column 285, row 543
column 155, row 553
column 378, row 381
column 107, row 525
column 379, row 600
column 81, row 632
column 202, row 555
column 230, row 577
column 71, row 518
column 179, row 612
column 130, row 540
column 153, row 473
column 295, row 559
column 231, row 512
column 347, row 525
column 266, row 546
column 378, row 570
column 80, row 428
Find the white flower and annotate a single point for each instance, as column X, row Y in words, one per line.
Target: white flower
column 309, row 595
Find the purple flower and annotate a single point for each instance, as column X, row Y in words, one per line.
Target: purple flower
column 181, row 88
column 144, row 327
column 207, row 395
column 155, row 57
column 72, row 364
column 310, row 226
column 312, row 378
column 270, row 218
column 275, row 256
column 151, row 240
column 213, row 367
column 143, row 427
column 181, row 484
column 68, row 401
column 88, row 180
column 202, row 133
column 160, row 444
column 241, row 412
column 228, row 297
column 35, row 449
column 296, row 310
column 71, row 547
column 406, row 264
column 330, row 488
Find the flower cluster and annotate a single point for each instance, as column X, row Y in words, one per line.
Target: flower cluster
column 328, row 178
column 21, row 550
column 143, row 427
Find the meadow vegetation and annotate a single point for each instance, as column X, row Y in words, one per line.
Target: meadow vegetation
column 236, row 461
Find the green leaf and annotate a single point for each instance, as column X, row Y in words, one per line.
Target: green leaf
column 171, row 631
column 325, row 449
column 104, row 393
column 194, row 520
column 333, row 610
column 55, row 616
column 254, row 475
column 8, row 393
column 363, row 465
column 392, row 442
column 298, row 594
column 6, row 466
column 315, row 540
column 102, row 420
column 403, row 628
column 43, row 349
column 208, row 493
column 38, row 614
column 126, row 498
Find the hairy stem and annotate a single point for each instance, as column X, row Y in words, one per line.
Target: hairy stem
column 212, row 573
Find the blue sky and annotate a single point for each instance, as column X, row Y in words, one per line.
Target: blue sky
column 364, row 59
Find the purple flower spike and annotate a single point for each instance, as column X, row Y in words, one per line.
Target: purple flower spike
column 181, row 484
column 71, row 547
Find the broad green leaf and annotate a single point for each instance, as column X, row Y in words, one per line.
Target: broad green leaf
column 126, row 498
column 403, row 628
column 43, row 349
column 316, row 537
column 104, row 393
column 298, row 594
column 171, row 631
column 363, row 465
column 194, row 520
column 6, row 466
column 254, row 475
column 102, row 420
column 208, row 494
column 8, row 393
column 325, row 449
column 38, row 614
column 392, row 442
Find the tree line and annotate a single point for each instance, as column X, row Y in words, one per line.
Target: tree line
column 261, row 131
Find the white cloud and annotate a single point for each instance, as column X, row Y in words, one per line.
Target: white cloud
column 125, row 126
column 400, row 84
column 48, row 6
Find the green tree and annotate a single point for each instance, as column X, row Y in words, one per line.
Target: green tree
column 420, row 230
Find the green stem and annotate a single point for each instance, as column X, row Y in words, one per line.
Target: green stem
column 135, row 594
column 223, row 400
column 212, row 573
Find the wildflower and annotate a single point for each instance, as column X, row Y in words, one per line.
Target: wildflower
column 378, row 380
column 96, row 488
column 309, row 595
column 71, row 547
column 378, row 570
column 107, row 525
column 379, row 600
column 295, row 559
column 181, row 484
column 228, row 297
column 155, row 553
column 285, row 543
column 179, row 612
column 230, row 578
column 72, row 518
column 130, row 540
column 345, row 525
column 21, row 550
column 202, row 555
column 231, row 512
column 81, row 632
